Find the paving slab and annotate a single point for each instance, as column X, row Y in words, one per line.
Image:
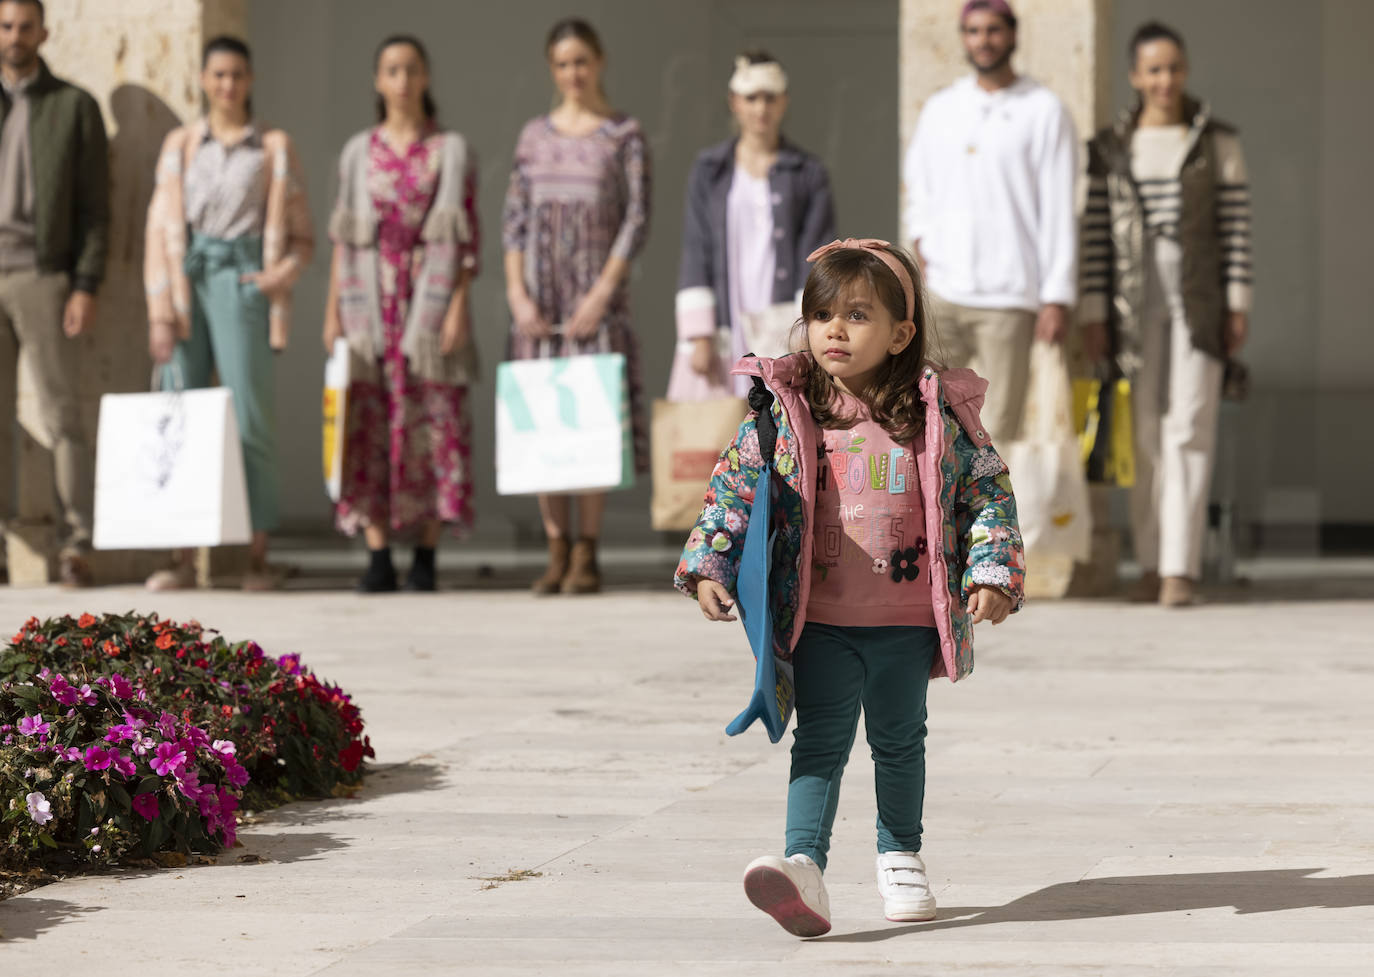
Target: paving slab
column 1115, row 790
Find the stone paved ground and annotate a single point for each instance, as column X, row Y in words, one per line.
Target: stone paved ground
column 1116, row 790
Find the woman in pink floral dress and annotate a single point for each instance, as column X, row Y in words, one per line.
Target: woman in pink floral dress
column 405, row 216
column 576, row 215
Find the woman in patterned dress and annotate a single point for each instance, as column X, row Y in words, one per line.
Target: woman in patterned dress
column 576, row 215
column 405, row 215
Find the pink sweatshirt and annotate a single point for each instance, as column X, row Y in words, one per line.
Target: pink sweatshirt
column 871, row 562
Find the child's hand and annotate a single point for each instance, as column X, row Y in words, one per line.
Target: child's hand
column 715, row 601
column 988, row 604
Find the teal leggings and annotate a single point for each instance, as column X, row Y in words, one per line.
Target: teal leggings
column 229, row 336
column 838, row 670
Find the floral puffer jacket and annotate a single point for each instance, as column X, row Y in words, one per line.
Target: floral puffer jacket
column 974, row 514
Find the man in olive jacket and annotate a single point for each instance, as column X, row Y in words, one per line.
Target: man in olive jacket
column 54, row 226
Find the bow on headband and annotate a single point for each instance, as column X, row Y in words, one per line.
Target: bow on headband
column 879, row 250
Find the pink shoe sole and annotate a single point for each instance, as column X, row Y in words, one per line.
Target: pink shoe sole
column 775, row 894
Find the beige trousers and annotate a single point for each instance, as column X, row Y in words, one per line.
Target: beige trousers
column 1174, row 400
column 31, row 311
column 996, row 344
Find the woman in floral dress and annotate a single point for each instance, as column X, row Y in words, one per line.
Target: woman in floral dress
column 576, row 215
column 405, row 214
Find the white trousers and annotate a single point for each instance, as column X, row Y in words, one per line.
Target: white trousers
column 1174, row 399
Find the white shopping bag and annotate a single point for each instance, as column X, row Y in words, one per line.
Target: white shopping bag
column 1046, row 465
column 335, row 416
column 563, row 425
column 169, row 471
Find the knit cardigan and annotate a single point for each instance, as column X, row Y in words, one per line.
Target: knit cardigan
column 287, row 231
column 446, row 236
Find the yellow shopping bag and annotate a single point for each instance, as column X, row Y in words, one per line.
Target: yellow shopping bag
column 335, row 412
column 1102, row 417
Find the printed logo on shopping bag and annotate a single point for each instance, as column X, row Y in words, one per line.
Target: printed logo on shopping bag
column 162, row 448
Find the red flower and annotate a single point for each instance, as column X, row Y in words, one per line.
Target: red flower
column 86, row 621
column 350, row 756
column 88, row 642
column 61, row 642
column 110, row 648
column 166, row 640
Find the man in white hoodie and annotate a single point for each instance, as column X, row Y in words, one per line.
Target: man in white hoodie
column 989, row 180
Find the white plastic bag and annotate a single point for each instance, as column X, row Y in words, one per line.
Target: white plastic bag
column 1046, row 466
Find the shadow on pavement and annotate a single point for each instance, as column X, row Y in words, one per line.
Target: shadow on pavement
column 264, row 839
column 24, row 919
column 1247, row 892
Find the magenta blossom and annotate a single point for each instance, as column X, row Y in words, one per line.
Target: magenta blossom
column 121, row 687
column 121, row 763
column 120, row 733
column 146, row 805
column 223, row 748
column 194, row 738
column 97, row 758
column 86, row 695
column 62, row 691
column 34, row 726
column 67, row 753
column 167, row 725
column 234, row 773
column 168, row 758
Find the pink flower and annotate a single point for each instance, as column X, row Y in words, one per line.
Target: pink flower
column 194, row 738
column 120, row 733
column 62, row 691
column 97, row 758
column 40, row 808
column 86, row 695
column 34, row 726
column 223, row 748
column 167, row 725
column 168, row 758
column 146, row 805
column 121, row 764
column 68, row 753
column 234, row 773
column 121, row 687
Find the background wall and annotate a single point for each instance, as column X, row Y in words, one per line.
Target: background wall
column 668, row 66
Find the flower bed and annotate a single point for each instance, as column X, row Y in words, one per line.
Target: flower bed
column 124, row 736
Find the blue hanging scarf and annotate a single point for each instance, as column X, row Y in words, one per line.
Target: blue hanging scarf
column 774, row 693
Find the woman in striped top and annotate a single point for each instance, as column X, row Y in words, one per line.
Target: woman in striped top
column 1165, row 289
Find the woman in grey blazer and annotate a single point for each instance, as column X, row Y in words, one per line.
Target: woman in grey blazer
column 756, row 207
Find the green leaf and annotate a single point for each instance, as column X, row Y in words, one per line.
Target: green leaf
column 121, row 796
column 47, row 840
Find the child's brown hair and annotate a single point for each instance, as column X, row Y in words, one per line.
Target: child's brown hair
column 893, row 398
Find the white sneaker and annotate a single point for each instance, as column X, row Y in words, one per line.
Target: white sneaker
column 790, row 890
column 906, row 890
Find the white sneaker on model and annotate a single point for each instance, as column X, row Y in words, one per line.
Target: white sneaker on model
column 792, row 891
column 906, row 890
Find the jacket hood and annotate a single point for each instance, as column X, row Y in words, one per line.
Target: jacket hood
column 959, row 387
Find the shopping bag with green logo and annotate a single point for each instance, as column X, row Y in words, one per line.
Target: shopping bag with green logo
column 563, row 425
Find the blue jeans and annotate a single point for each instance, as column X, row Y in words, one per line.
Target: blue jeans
column 838, row 670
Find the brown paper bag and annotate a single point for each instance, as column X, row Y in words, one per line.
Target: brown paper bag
column 687, row 441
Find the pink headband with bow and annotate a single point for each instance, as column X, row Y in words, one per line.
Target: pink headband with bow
column 879, row 250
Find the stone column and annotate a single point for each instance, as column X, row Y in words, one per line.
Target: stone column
column 1065, row 45
column 141, row 61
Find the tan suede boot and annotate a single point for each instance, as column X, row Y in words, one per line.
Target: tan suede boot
column 584, row 576
column 552, row 579
column 1177, row 592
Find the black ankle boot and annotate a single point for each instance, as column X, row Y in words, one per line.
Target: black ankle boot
column 380, row 577
column 422, row 578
